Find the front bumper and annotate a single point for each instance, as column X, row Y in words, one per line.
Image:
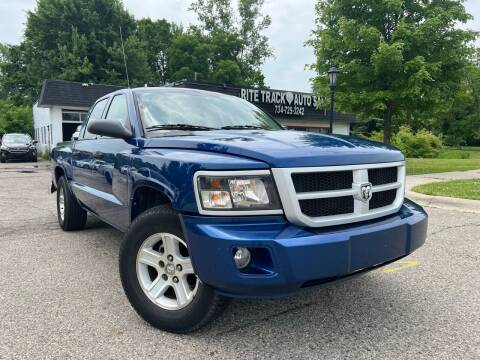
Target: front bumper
column 293, row 257
column 19, row 155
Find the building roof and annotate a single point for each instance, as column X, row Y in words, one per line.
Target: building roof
column 72, row 93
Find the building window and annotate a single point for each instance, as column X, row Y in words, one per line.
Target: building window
column 73, row 116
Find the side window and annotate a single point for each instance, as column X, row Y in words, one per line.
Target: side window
column 96, row 112
column 118, row 110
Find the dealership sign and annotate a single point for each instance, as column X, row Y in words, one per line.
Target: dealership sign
column 282, row 102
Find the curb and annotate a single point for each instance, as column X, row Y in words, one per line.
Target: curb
column 443, row 202
column 447, row 203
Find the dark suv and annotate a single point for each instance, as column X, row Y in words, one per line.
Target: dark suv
column 18, row 147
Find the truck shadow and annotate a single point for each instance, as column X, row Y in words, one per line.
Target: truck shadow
column 371, row 306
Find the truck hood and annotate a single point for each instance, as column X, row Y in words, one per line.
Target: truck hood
column 287, row 148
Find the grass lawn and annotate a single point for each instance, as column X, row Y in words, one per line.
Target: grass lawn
column 465, row 189
column 449, row 160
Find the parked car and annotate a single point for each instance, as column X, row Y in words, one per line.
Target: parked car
column 217, row 200
column 18, row 147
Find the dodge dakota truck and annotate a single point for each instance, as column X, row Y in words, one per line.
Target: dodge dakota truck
column 217, row 200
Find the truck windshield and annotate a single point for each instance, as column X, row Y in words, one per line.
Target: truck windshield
column 16, row 139
column 198, row 110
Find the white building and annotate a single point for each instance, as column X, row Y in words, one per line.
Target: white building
column 61, row 107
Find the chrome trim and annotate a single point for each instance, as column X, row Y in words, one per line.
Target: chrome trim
column 202, row 211
column 290, row 198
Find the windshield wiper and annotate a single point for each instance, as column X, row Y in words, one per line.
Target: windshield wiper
column 177, row 127
column 240, row 127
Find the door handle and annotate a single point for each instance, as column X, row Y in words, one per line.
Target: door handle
column 98, row 155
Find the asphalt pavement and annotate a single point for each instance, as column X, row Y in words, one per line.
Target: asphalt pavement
column 61, row 297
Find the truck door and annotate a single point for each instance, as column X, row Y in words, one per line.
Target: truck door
column 110, row 167
column 82, row 157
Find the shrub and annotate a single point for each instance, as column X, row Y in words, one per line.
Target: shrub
column 45, row 155
column 422, row 144
column 377, row 136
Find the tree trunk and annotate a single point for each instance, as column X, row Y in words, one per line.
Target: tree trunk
column 387, row 122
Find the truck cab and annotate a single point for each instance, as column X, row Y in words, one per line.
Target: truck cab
column 218, row 200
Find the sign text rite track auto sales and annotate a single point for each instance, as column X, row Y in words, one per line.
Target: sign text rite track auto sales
column 286, row 102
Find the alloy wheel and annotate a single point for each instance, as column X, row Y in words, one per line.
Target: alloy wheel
column 165, row 271
column 61, row 203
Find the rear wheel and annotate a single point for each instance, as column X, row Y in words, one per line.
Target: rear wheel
column 70, row 215
column 158, row 276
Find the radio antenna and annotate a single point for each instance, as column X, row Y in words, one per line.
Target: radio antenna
column 124, row 57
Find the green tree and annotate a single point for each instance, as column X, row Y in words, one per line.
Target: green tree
column 212, row 57
column 15, row 119
column 73, row 40
column 460, row 123
column 243, row 27
column 189, row 54
column 397, row 57
column 17, row 79
column 156, row 37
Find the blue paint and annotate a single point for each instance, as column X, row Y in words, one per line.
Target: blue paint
column 299, row 255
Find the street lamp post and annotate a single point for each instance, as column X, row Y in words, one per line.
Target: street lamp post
column 332, row 76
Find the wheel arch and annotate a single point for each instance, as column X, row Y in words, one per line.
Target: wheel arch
column 58, row 172
column 147, row 194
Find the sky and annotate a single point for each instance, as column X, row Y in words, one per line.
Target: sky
column 292, row 23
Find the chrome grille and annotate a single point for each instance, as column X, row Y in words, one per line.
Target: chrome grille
column 18, row 150
column 382, row 176
column 332, row 195
column 382, row 198
column 317, row 181
column 327, row 206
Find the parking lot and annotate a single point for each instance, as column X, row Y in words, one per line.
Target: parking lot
column 61, row 297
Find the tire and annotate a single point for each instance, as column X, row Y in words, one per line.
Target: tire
column 73, row 217
column 3, row 159
column 34, row 159
column 205, row 304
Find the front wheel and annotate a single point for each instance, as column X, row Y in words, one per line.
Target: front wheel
column 158, row 276
column 3, row 158
column 70, row 215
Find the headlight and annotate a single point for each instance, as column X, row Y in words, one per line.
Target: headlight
column 237, row 191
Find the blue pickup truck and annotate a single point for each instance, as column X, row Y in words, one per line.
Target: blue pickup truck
column 217, row 200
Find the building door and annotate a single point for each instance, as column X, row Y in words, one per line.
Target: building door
column 70, row 120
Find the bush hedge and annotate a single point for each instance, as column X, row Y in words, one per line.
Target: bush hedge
column 422, row 144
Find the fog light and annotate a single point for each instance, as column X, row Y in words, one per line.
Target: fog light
column 242, row 257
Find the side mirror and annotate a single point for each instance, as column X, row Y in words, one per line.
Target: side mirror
column 35, row 142
column 74, row 138
column 110, row 128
